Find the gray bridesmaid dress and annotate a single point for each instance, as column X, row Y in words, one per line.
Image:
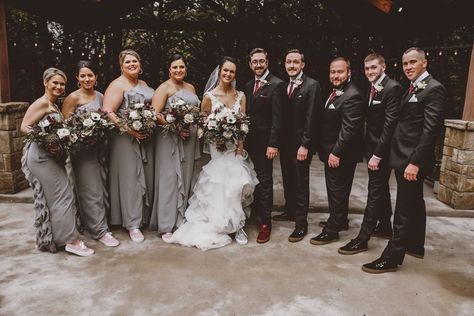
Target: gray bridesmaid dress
column 174, row 165
column 90, row 178
column 131, row 170
column 54, row 205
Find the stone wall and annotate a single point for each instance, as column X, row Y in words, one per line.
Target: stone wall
column 457, row 168
column 12, row 179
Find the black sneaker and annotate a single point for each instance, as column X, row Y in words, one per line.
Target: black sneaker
column 354, row 246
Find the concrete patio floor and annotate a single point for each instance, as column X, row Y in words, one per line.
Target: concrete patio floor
column 277, row 278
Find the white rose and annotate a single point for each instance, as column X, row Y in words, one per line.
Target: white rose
column 212, row 124
column 170, row 118
column 137, row 125
column 148, row 114
column 73, row 138
column 88, row 122
column 200, row 132
column 138, row 105
column 231, row 119
column 188, row 118
column 244, row 128
column 63, row 132
column 103, row 121
column 44, row 123
column 180, row 102
column 134, row 115
column 95, row 116
column 227, row 134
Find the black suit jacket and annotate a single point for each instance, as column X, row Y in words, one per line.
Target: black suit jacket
column 420, row 123
column 265, row 111
column 301, row 116
column 382, row 116
column 342, row 126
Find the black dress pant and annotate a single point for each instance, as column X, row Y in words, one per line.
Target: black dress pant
column 263, row 194
column 295, row 175
column 379, row 204
column 338, row 186
column 409, row 222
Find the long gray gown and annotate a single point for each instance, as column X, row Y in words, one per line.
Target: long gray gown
column 174, row 165
column 90, row 179
column 131, row 170
column 54, row 205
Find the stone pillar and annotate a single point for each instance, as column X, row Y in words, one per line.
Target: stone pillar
column 456, row 185
column 12, row 179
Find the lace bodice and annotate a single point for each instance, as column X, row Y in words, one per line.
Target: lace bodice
column 216, row 103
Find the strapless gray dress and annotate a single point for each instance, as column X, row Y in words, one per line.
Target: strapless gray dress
column 174, row 165
column 90, row 179
column 131, row 170
column 54, row 203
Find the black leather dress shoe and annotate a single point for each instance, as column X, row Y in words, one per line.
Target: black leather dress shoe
column 381, row 265
column 344, row 227
column 383, row 231
column 298, row 234
column 284, row 217
column 354, row 246
column 324, row 238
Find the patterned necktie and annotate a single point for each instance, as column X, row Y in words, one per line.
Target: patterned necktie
column 411, row 89
column 257, row 86
column 332, row 96
column 290, row 93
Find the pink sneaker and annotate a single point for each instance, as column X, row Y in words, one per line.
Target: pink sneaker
column 136, row 235
column 167, row 238
column 109, row 240
column 80, row 249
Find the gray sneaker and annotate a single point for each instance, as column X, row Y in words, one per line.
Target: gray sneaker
column 241, row 237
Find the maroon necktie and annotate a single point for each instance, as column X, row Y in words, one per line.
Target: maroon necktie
column 257, row 86
column 290, row 93
column 332, row 96
column 411, row 89
column 372, row 91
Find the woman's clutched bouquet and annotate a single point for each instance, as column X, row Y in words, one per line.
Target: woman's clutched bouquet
column 54, row 136
column 138, row 117
column 180, row 116
column 90, row 127
column 223, row 127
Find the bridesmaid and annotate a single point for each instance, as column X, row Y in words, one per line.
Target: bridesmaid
column 131, row 163
column 89, row 171
column 54, row 205
column 175, row 155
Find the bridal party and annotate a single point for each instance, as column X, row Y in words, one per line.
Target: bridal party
column 126, row 158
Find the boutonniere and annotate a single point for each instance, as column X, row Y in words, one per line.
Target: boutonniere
column 298, row 82
column 264, row 83
column 420, row 86
column 378, row 87
column 339, row 92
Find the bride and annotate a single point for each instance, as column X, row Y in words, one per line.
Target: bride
column 225, row 185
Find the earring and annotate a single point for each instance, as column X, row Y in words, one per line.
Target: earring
column 169, row 74
column 95, row 84
column 64, row 93
column 78, row 84
column 141, row 71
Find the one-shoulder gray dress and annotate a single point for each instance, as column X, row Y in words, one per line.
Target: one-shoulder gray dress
column 174, row 165
column 131, row 170
column 54, row 205
column 90, row 179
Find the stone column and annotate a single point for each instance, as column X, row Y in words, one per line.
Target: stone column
column 456, row 184
column 12, row 179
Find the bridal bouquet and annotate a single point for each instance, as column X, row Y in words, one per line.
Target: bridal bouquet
column 180, row 116
column 54, row 136
column 90, row 127
column 139, row 117
column 224, row 127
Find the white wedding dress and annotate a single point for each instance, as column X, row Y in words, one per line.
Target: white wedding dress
column 224, row 187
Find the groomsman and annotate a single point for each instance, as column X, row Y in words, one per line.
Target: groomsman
column 382, row 114
column 412, row 157
column 341, row 146
column 266, row 98
column 299, row 142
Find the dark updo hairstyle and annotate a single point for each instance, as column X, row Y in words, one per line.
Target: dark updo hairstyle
column 85, row 64
column 227, row 58
column 175, row 57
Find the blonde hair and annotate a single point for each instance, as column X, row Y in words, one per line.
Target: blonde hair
column 126, row 52
column 51, row 72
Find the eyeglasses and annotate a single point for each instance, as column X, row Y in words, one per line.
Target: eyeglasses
column 256, row 62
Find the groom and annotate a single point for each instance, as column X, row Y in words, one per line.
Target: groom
column 266, row 97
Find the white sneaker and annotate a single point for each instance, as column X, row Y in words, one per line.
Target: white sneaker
column 80, row 250
column 136, row 235
column 167, row 238
column 241, row 237
column 109, row 240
